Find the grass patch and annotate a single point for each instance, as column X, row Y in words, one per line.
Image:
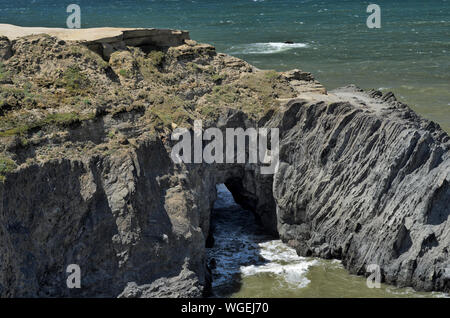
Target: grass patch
column 271, row 75
column 150, row 65
column 81, row 50
column 210, row 111
column 7, row 165
column 254, row 93
column 167, row 110
column 16, row 98
column 227, row 94
column 137, row 106
column 61, row 119
column 74, row 80
column 4, row 75
column 124, row 73
column 218, row 78
column 156, row 58
column 193, row 67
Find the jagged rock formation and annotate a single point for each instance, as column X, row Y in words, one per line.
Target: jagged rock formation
column 185, row 285
column 146, row 39
column 366, row 181
column 86, row 177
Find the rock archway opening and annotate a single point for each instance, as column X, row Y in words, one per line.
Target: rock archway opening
column 234, row 240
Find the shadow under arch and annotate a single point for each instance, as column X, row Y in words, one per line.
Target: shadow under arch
column 235, row 235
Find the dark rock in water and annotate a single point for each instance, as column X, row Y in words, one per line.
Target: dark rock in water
column 288, row 42
column 212, row 263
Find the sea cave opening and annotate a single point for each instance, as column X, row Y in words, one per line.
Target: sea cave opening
column 235, row 245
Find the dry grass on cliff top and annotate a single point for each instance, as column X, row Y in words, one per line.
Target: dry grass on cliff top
column 50, row 86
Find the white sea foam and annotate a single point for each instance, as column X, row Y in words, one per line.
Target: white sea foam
column 283, row 262
column 266, row 48
column 241, row 249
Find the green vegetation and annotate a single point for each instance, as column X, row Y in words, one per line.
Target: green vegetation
column 150, row 65
column 174, row 92
column 137, row 106
column 254, row 94
column 112, row 134
column 61, row 119
column 169, row 109
column 4, row 75
column 9, row 98
column 6, row 165
column 156, row 58
column 271, row 74
column 218, row 78
column 57, row 119
column 210, row 111
column 124, row 73
column 74, row 80
column 193, row 67
column 227, row 94
column 30, row 100
column 83, row 51
column 15, row 98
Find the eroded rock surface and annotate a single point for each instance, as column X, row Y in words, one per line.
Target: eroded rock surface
column 366, row 181
column 86, row 177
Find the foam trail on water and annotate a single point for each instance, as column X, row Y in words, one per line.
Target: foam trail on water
column 266, row 48
column 282, row 261
column 241, row 249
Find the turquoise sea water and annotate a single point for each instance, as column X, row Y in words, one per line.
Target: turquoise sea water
column 409, row 55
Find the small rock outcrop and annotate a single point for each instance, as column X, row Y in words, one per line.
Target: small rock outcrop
column 146, row 38
column 184, row 285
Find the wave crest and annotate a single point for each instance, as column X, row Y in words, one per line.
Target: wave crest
column 266, row 48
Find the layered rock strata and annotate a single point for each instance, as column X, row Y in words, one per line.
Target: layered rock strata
column 86, row 176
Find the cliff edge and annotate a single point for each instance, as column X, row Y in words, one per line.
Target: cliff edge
column 86, row 176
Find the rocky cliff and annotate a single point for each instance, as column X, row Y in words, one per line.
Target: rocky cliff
column 364, row 179
column 86, row 176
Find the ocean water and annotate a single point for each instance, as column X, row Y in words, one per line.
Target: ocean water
column 246, row 262
column 409, row 55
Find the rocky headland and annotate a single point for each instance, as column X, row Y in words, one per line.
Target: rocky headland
column 86, row 176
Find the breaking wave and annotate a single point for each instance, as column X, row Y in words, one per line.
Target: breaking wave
column 246, row 262
column 241, row 249
column 266, row 48
column 284, row 262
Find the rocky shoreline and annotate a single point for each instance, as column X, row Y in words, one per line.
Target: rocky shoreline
column 86, row 176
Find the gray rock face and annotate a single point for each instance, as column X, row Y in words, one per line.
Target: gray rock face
column 5, row 48
column 366, row 180
column 361, row 177
column 124, row 219
column 133, row 217
column 184, row 285
column 105, row 46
